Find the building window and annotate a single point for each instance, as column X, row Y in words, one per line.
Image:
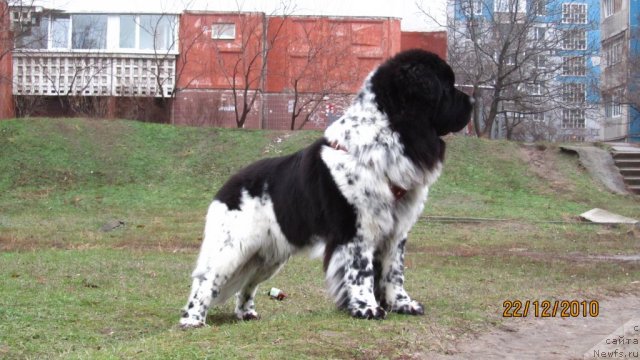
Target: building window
column 535, row 88
column 33, row 36
column 477, row 7
column 538, row 33
column 147, row 32
column 509, row 6
column 611, row 7
column 128, row 27
column 471, row 7
column 223, row 31
column 613, row 51
column 573, row 66
column 538, row 117
column 575, row 39
column 540, row 7
column 573, row 119
column 613, row 103
column 156, row 32
column 540, row 61
column 89, row 32
column 101, row 31
column 60, row 31
column 573, row 13
column 509, row 59
column 515, row 117
column 574, row 93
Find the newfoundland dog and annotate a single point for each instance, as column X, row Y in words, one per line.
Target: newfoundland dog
column 356, row 192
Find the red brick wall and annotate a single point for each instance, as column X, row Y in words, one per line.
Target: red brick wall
column 342, row 52
column 7, row 109
column 433, row 41
column 327, row 54
column 206, row 63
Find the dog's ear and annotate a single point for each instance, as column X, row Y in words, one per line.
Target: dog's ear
column 419, row 83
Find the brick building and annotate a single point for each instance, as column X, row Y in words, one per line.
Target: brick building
column 284, row 67
column 231, row 69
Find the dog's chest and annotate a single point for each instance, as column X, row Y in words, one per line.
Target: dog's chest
column 385, row 188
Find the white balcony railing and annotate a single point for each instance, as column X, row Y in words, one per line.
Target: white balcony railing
column 87, row 74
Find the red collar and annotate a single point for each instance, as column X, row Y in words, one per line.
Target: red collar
column 334, row 144
column 397, row 191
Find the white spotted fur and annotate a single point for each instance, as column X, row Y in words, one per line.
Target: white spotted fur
column 373, row 152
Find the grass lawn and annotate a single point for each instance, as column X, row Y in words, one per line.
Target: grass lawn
column 70, row 290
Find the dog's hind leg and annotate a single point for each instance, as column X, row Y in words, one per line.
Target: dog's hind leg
column 220, row 271
column 350, row 278
column 212, row 285
column 389, row 264
column 245, row 306
column 202, row 292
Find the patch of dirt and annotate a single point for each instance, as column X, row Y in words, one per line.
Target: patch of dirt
column 11, row 243
column 542, row 163
column 534, row 255
column 30, row 243
column 556, row 338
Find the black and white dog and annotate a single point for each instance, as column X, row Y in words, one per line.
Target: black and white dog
column 357, row 192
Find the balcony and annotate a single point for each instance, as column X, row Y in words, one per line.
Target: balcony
column 46, row 73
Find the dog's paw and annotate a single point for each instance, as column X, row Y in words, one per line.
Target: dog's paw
column 248, row 315
column 187, row 323
column 369, row 312
column 411, row 308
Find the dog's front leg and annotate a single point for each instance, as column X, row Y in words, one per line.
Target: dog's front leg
column 391, row 281
column 350, row 278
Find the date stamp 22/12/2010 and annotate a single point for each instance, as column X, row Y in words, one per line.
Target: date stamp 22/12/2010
column 550, row 308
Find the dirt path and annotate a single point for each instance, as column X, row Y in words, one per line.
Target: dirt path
column 561, row 338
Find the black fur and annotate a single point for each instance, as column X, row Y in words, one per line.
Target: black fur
column 415, row 90
column 306, row 200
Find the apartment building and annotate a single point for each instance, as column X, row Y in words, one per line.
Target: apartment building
column 620, row 69
column 536, row 63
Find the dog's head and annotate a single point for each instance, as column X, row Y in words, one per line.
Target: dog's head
column 415, row 89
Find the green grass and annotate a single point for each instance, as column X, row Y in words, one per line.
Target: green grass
column 72, row 291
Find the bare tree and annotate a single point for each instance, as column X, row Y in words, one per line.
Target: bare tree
column 505, row 54
column 162, row 31
column 188, row 39
column 245, row 71
column 6, row 39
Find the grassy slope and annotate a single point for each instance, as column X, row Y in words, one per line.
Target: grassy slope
column 70, row 290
